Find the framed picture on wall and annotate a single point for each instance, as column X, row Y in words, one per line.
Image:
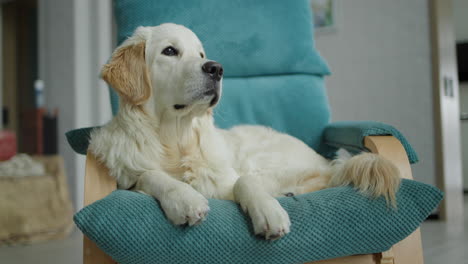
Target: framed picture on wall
column 324, row 12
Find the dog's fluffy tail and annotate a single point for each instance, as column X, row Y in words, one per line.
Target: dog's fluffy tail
column 371, row 174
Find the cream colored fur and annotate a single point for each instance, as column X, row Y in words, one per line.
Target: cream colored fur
column 178, row 156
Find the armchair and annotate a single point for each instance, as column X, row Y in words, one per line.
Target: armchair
column 273, row 77
column 99, row 184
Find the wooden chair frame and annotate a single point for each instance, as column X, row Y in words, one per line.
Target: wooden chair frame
column 99, row 184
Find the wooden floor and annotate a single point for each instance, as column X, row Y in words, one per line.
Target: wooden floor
column 443, row 244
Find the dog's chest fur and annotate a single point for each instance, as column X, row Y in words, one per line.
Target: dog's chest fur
column 179, row 159
column 192, row 157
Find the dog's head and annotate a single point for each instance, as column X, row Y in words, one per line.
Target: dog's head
column 164, row 68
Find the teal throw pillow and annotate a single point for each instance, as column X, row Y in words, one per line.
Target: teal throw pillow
column 330, row 223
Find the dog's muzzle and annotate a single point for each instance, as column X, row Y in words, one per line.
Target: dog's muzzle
column 215, row 97
column 215, row 72
column 213, row 90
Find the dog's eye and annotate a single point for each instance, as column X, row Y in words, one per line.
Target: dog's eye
column 179, row 106
column 202, row 55
column 170, row 51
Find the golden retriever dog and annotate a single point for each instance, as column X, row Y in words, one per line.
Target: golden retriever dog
column 163, row 141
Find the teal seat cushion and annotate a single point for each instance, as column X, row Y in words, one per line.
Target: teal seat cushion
column 250, row 38
column 132, row 228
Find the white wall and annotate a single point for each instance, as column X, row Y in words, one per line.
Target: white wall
column 74, row 41
column 460, row 13
column 381, row 70
column 93, row 47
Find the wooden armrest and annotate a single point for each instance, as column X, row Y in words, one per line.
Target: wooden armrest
column 98, row 184
column 409, row 250
column 390, row 148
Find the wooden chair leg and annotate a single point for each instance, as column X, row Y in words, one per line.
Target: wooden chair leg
column 98, row 184
column 94, row 255
column 387, row 257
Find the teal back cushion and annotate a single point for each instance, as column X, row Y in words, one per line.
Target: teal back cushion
column 250, row 38
column 132, row 228
column 273, row 73
column 293, row 104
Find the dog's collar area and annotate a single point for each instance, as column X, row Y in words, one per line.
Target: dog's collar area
column 179, row 106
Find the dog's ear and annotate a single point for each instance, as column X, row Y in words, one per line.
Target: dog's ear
column 128, row 74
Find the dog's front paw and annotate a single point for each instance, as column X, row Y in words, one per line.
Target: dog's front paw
column 269, row 219
column 184, row 205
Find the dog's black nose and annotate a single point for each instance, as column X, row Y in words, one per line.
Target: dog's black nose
column 213, row 69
